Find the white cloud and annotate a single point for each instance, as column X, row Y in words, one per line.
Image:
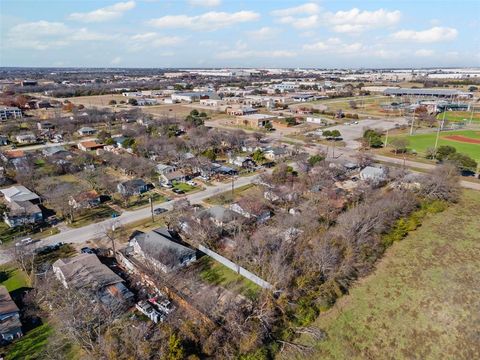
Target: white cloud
column 156, row 40
column 242, row 53
column 263, row 33
column 434, row 34
column 116, row 60
column 305, row 22
column 424, row 53
column 104, row 14
column 212, row 20
column 334, row 45
column 206, row 3
column 308, row 8
column 43, row 35
column 355, row 20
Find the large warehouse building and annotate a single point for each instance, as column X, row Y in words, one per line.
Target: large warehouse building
column 438, row 93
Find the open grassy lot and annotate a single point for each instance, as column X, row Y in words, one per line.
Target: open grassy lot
column 218, row 274
column 226, row 197
column 421, row 142
column 421, row 302
column 170, row 110
column 96, row 100
column 91, row 216
column 460, row 116
column 31, row 345
column 12, row 278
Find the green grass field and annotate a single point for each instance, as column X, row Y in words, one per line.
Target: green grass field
column 218, row 274
column 31, row 345
column 12, row 278
column 460, row 116
column 421, row 302
column 92, row 215
column 421, row 142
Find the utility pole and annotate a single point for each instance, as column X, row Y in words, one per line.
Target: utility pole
column 151, row 207
column 438, row 135
column 413, row 120
column 233, row 186
column 386, row 139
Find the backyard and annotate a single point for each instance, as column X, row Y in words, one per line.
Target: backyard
column 218, row 274
column 421, row 302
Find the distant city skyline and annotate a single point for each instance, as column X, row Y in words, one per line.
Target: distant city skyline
column 221, row 33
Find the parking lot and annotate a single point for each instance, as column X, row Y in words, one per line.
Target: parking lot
column 351, row 133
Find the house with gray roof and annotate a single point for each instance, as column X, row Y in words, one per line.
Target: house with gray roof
column 371, row 173
column 219, row 215
column 163, row 249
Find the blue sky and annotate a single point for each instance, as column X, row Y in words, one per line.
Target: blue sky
column 248, row 33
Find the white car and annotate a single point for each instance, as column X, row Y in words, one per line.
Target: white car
column 192, row 183
column 23, row 242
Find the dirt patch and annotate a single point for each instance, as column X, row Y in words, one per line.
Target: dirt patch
column 461, row 138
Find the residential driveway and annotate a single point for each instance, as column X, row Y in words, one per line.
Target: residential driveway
column 350, row 133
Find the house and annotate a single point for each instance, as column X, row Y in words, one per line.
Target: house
column 255, row 210
column 85, row 131
column 45, row 125
column 241, row 110
column 371, row 173
column 57, row 150
column 192, row 96
column 21, row 213
column 163, row 249
column 255, row 120
column 3, row 140
column 85, row 200
column 169, row 178
column 85, row 271
column 219, row 215
column 275, row 153
column 28, row 138
column 10, row 112
column 163, row 169
column 10, row 325
column 243, row 161
column 89, row 145
column 19, row 193
column 223, row 170
column 133, row 187
column 303, row 97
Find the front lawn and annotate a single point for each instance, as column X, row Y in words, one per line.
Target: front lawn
column 184, row 186
column 93, row 215
column 8, row 234
column 226, row 197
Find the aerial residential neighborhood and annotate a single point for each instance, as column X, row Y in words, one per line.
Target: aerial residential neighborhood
column 239, row 180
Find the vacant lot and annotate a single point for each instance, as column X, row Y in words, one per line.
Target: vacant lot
column 422, row 301
column 421, row 142
column 96, row 100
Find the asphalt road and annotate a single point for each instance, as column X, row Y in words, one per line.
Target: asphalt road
column 92, row 231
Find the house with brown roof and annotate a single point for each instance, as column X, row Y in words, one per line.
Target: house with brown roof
column 89, row 145
column 10, row 325
column 86, row 272
column 85, row 200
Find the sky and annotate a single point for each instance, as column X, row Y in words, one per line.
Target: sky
column 241, row 33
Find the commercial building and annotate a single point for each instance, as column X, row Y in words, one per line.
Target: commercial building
column 437, row 93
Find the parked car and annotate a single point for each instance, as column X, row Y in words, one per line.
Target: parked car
column 178, row 191
column 87, row 250
column 159, row 211
column 192, row 183
column 24, row 242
